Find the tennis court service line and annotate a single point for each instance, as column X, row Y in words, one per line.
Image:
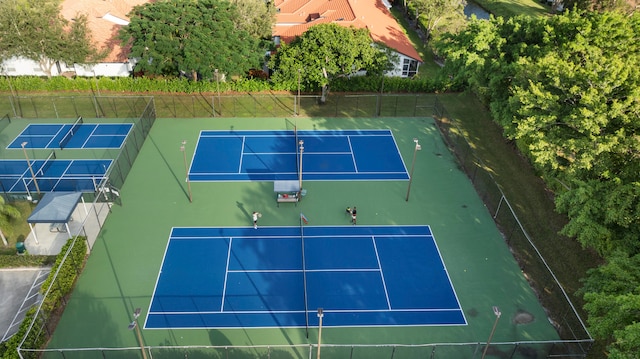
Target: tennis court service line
column 226, row 274
column 384, row 284
column 241, row 154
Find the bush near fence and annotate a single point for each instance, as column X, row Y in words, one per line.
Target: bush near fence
column 140, row 85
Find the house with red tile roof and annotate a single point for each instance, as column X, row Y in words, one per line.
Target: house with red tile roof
column 104, row 19
column 296, row 16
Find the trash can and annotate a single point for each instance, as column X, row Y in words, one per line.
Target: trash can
column 20, row 247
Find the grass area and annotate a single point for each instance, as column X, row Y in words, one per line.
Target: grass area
column 429, row 68
column 18, row 229
column 511, row 8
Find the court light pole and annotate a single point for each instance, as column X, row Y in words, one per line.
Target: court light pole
column 218, row 90
column 298, row 99
column 413, row 164
column 33, row 175
column 497, row 312
column 320, row 316
column 301, row 144
column 186, row 169
column 134, row 325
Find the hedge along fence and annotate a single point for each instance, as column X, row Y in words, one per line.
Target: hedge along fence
column 17, row 85
column 59, row 285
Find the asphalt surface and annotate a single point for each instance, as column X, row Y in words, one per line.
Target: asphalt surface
column 18, row 292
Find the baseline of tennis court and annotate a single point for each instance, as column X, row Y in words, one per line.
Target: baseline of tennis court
column 232, row 277
column 52, row 175
column 278, row 155
column 95, row 136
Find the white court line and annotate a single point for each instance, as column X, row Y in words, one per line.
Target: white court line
column 233, row 312
column 300, row 270
column 353, row 158
column 384, row 283
column 155, row 287
column 91, row 134
column 226, row 275
column 244, row 138
column 54, row 136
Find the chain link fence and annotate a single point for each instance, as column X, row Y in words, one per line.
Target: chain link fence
column 203, row 106
column 575, row 339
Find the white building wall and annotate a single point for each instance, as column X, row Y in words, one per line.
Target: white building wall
column 19, row 66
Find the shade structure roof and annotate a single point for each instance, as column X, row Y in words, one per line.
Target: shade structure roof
column 55, row 207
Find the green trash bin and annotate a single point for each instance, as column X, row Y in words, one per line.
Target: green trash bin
column 20, row 248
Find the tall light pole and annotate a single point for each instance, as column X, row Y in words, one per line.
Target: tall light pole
column 186, row 169
column 134, row 325
column 218, row 90
column 298, row 99
column 413, row 164
column 301, row 144
column 496, row 311
column 33, row 175
column 320, row 316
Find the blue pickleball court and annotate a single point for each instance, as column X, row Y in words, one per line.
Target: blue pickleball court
column 86, row 135
column 52, row 175
column 240, row 277
column 278, row 155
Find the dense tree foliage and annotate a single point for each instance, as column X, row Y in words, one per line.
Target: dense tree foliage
column 566, row 89
column 34, row 29
column 331, row 50
column 191, row 38
column 257, row 17
column 433, row 12
column 612, row 292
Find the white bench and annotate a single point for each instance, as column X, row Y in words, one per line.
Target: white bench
column 287, row 198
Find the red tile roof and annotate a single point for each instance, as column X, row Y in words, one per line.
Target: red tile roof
column 103, row 31
column 296, row 16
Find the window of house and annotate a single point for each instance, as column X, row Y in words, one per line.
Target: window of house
column 409, row 67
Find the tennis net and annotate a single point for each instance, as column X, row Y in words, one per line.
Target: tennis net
column 72, row 131
column 304, row 276
column 46, row 164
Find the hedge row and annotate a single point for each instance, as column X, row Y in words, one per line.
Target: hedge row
column 69, row 271
column 9, row 259
column 142, row 85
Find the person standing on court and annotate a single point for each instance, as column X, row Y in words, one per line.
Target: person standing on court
column 256, row 215
column 353, row 215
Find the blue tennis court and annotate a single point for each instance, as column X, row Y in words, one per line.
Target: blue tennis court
column 52, row 175
column 232, row 277
column 106, row 135
column 277, row 155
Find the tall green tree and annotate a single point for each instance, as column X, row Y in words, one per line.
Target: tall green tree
column 327, row 51
column 192, row 38
column 435, row 11
column 257, row 17
column 566, row 89
column 34, row 29
column 612, row 296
